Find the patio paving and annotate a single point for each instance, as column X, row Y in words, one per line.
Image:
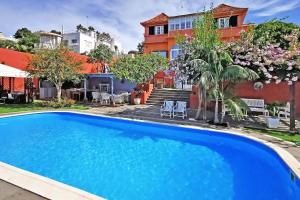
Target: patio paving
column 12, row 192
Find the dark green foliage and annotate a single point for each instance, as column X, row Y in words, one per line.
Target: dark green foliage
column 22, row 33
column 102, row 54
column 139, row 69
column 273, row 31
column 140, row 48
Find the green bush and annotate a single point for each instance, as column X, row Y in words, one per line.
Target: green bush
column 56, row 104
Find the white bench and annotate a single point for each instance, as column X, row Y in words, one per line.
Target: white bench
column 256, row 105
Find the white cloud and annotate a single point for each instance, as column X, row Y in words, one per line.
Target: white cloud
column 118, row 17
column 279, row 8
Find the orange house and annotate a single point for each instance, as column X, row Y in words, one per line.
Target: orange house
column 20, row 61
column 161, row 31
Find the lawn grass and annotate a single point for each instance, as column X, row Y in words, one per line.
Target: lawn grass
column 295, row 138
column 16, row 108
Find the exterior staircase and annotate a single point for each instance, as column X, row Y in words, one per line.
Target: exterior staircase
column 158, row 96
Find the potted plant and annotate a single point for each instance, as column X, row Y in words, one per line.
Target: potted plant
column 137, row 98
column 273, row 120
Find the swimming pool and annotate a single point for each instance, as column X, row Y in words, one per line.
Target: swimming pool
column 121, row 159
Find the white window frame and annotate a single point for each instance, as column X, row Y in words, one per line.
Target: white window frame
column 188, row 23
column 182, row 25
column 172, row 27
column 178, row 50
column 223, row 22
column 159, row 30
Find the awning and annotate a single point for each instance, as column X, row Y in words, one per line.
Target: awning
column 7, row 71
column 100, row 75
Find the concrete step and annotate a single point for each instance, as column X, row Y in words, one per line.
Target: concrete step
column 170, row 96
column 167, row 92
column 158, row 96
column 171, row 99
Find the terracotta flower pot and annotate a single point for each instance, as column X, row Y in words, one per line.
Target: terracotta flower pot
column 137, row 101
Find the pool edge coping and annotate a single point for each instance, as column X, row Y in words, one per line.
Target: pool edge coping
column 52, row 189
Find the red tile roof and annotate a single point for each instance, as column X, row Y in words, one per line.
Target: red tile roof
column 20, row 60
column 223, row 8
column 159, row 19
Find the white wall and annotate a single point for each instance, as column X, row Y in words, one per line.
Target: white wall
column 87, row 43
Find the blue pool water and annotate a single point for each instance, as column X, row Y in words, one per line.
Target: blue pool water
column 125, row 160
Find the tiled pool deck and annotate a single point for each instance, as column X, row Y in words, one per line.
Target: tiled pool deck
column 9, row 191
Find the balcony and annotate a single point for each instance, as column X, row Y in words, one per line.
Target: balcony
column 156, row 38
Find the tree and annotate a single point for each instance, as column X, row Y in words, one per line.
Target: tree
column 102, row 54
column 140, row 47
column 81, row 28
column 56, row 65
column 204, row 60
column 103, row 37
column 271, row 32
column 22, row 33
column 91, row 28
column 272, row 62
column 217, row 69
column 205, row 38
column 139, row 69
column 26, row 40
column 56, row 32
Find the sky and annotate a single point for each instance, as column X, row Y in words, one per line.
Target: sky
column 121, row 18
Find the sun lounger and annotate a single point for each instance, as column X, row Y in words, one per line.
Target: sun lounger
column 285, row 111
column 180, row 109
column 167, row 109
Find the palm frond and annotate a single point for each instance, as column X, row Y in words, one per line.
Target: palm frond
column 236, row 72
column 235, row 107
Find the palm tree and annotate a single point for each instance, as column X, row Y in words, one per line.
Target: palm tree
column 214, row 71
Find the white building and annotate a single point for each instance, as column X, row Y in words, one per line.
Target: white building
column 80, row 42
column 49, row 40
column 3, row 37
column 83, row 42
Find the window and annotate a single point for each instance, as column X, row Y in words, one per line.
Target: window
column 151, row 30
column 182, row 25
column 172, row 27
column 223, row 22
column 177, row 26
column 66, row 42
column 166, row 29
column 188, row 25
column 159, row 30
column 74, row 41
column 233, row 21
column 175, row 51
column 161, row 53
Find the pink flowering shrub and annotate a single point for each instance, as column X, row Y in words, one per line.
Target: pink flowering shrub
column 271, row 61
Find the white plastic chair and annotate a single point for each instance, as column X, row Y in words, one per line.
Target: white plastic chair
column 285, row 111
column 167, row 109
column 105, row 98
column 180, row 109
column 96, row 97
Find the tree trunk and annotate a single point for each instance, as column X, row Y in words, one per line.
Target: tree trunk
column 205, row 104
column 293, row 106
column 216, row 118
column 223, row 110
column 222, row 103
column 199, row 102
column 58, row 88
